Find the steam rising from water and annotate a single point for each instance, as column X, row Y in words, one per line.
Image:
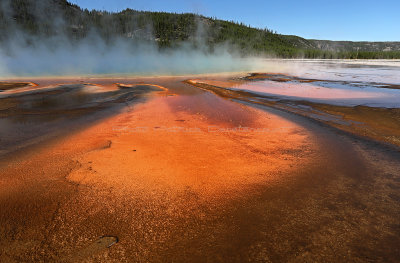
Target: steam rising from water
column 22, row 54
column 93, row 56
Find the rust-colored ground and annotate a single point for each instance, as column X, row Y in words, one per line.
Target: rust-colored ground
column 189, row 176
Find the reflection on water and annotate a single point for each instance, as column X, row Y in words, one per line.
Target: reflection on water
column 379, row 71
column 327, row 92
column 345, row 83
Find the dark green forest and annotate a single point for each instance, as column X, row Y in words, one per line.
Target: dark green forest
column 52, row 18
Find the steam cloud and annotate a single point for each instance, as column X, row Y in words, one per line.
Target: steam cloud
column 96, row 57
column 28, row 55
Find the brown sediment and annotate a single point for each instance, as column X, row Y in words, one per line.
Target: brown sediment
column 281, row 77
column 92, row 249
column 7, row 104
column 130, row 86
column 381, row 124
column 15, row 85
column 391, row 86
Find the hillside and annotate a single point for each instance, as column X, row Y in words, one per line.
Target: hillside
column 54, row 18
column 354, row 46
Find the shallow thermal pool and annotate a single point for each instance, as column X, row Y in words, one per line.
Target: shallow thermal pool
column 347, row 83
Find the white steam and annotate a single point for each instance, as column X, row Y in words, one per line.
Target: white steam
column 28, row 55
column 93, row 56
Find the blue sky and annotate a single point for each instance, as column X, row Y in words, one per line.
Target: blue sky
column 320, row 19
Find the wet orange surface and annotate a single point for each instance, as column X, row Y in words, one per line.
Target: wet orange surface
column 187, row 176
column 159, row 146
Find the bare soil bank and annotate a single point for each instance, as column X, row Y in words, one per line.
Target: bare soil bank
column 13, row 85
